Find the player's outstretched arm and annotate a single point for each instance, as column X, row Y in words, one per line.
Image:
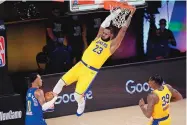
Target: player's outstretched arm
column 176, row 96
column 152, row 99
column 117, row 41
column 40, row 96
column 107, row 21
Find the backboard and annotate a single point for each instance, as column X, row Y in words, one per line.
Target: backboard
column 89, row 5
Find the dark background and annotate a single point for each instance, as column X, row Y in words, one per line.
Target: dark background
column 17, row 10
column 14, row 103
column 5, row 82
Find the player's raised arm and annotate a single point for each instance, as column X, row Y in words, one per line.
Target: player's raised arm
column 117, row 41
column 107, row 21
column 40, row 96
column 176, row 96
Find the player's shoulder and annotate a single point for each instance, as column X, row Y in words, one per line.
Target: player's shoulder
column 153, row 96
column 38, row 92
column 168, row 86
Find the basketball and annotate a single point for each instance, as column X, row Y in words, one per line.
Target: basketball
column 49, row 96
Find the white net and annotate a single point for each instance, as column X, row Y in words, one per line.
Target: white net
column 121, row 18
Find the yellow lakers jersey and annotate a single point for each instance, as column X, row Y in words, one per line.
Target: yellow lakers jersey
column 161, row 109
column 97, row 53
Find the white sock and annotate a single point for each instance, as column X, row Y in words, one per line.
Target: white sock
column 79, row 98
column 58, row 87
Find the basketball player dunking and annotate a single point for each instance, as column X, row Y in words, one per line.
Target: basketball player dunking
column 101, row 48
column 35, row 102
column 159, row 101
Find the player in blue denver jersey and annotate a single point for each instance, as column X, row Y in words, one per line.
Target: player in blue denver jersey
column 35, row 102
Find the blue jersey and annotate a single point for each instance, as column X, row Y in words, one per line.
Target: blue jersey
column 34, row 113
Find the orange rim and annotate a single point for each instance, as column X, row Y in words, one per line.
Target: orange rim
column 109, row 4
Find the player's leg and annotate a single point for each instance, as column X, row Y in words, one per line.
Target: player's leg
column 83, row 84
column 67, row 79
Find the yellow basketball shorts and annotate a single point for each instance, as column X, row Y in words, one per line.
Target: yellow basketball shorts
column 163, row 121
column 82, row 74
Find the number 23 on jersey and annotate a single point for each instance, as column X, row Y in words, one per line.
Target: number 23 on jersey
column 98, row 49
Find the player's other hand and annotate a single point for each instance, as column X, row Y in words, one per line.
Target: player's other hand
column 54, row 94
column 141, row 102
column 49, row 96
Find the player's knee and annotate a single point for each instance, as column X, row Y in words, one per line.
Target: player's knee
column 77, row 97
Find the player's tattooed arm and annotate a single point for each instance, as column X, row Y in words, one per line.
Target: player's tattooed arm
column 45, row 105
column 152, row 99
column 116, row 42
column 176, row 96
column 40, row 96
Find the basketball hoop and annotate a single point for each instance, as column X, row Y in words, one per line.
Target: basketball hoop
column 122, row 17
